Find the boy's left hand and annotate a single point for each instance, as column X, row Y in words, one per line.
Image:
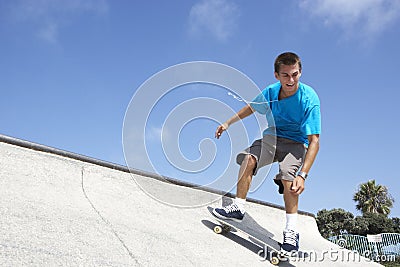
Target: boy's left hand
column 297, row 185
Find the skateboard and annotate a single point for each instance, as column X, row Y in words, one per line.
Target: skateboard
column 270, row 245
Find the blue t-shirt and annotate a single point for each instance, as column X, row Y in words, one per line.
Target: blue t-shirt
column 294, row 117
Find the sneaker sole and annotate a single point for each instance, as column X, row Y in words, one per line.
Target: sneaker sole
column 289, row 254
column 216, row 214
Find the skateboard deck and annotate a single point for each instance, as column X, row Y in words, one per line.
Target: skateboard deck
column 271, row 246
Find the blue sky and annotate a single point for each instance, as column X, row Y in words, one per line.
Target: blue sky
column 69, row 70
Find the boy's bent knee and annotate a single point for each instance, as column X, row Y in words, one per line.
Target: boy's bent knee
column 250, row 160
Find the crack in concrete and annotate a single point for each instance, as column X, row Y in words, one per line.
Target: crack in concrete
column 105, row 220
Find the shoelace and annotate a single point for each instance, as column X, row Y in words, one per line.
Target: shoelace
column 231, row 208
column 290, row 237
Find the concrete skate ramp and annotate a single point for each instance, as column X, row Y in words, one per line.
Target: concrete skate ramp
column 62, row 209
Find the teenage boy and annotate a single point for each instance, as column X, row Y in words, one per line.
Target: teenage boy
column 293, row 113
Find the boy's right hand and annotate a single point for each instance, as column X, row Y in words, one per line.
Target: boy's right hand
column 220, row 129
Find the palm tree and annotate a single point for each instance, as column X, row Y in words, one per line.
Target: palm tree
column 373, row 198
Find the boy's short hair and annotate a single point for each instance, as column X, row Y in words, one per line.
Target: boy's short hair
column 287, row 58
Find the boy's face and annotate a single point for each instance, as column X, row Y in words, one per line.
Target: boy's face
column 289, row 76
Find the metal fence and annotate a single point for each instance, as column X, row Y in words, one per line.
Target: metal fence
column 373, row 246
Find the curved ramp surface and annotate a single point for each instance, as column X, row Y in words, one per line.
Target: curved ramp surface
column 61, row 211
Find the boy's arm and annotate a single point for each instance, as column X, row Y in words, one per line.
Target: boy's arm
column 243, row 113
column 312, row 151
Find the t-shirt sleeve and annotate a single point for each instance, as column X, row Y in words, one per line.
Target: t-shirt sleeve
column 260, row 104
column 312, row 121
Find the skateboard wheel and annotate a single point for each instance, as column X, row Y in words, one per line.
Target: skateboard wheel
column 275, row 260
column 218, row 229
column 226, row 228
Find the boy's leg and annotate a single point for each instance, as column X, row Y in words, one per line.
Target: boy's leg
column 291, row 200
column 236, row 210
column 259, row 154
column 290, row 233
column 245, row 176
column 290, row 157
column 291, row 206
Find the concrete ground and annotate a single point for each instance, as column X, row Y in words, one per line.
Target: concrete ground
column 57, row 210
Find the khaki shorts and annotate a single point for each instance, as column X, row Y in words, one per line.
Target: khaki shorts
column 288, row 153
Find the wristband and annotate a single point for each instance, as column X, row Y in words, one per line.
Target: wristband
column 303, row 175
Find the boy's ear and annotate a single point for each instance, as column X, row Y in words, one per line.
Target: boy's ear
column 276, row 75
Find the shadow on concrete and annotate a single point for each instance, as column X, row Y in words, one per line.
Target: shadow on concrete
column 234, row 237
